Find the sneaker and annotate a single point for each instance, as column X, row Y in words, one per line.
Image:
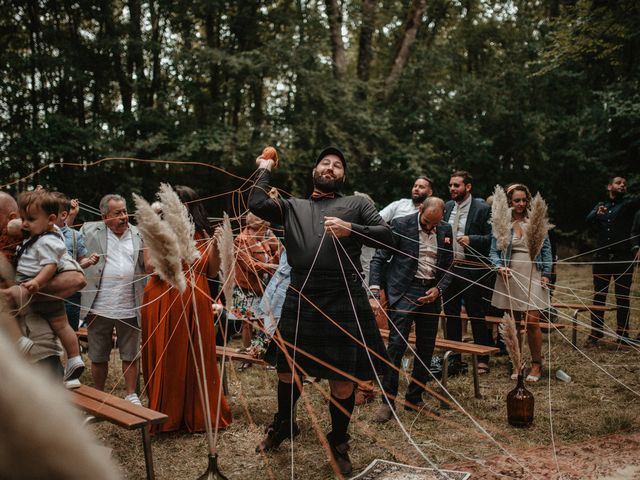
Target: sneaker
column 24, row 345
column 72, row 384
column 133, row 398
column 383, row 414
column 74, row 368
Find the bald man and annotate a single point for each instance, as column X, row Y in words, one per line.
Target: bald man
column 46, row 349
column 417, row 274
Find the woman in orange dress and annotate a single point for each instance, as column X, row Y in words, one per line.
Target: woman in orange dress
column 174, row 365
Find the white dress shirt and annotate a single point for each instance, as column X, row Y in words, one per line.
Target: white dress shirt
column 463, row 208
column 397, row 209
column 428, row 253
column 116, row 297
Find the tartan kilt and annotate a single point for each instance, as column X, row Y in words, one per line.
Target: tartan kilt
column 326, row 299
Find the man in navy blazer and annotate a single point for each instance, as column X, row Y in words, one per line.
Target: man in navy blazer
column 469, row 218
column 416, row 271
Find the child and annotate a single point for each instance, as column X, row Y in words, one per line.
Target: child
column 37, row 261
column 76, row 248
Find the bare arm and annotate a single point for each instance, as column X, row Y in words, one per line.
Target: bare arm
column 214, row 258
column 63, row 285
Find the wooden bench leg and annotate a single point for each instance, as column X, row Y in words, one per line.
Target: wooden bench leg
column 223, row 376
column 445, row 376
column 148, row 458
column 476, row 377
column 574, row 324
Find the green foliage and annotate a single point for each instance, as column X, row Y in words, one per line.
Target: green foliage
column 540, row 92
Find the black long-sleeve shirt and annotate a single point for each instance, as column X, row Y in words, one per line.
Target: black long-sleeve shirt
column 614, row 226
column 304, row 234
column 635, row 233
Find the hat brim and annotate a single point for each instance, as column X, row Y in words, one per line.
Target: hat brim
column 332, row 151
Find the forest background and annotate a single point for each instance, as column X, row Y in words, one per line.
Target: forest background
column 545, row 92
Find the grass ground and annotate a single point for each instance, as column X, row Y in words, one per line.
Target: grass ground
column 601, row 400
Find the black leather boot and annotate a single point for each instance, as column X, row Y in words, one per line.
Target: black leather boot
column 341, row 454
column 277, row 432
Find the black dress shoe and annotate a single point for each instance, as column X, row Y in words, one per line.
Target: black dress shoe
column 420, row 406
column 340, row 453
column 591, row 342
column 458, row 368
column 277, row 433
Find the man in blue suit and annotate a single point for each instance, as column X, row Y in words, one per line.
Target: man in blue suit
column 469, row 218
column 417, row 274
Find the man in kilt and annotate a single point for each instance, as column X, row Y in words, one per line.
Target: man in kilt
column 327, row 329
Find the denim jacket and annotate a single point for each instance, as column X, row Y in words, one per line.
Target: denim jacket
column 544, row 260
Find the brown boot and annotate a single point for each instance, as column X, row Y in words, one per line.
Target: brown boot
column 277, row 432
column 340, row 453
column 383, row 413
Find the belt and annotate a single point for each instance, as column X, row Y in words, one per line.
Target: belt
column 424, row 282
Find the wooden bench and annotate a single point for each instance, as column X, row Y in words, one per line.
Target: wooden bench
column 577, row 308
column 229, row 354
column 452, row 346
column 544, row 326
column 104, row 406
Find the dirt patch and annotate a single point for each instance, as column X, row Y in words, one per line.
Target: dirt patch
column 615, row 457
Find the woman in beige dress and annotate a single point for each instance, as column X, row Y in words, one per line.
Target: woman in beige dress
column 512, row 291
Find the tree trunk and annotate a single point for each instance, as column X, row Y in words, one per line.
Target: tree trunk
column 126, row 91
column 135, row 57
column 366, row 36
column 407, row 38
column 334, row 14
column 156, row 36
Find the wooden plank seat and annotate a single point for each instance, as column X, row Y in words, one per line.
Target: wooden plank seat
column 576, row 309
column 102, row 406
column 451, row 346
column 544, row 326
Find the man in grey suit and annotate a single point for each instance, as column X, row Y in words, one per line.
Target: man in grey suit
column 114, row 291
column 416, row 276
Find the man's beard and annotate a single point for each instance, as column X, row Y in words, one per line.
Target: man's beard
column 419, row 198
column 327, row 185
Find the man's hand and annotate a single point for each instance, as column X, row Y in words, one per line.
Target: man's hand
column 337, row 227
column 430, row 296
column 73, row 212
column 90, row 260
column 375, row 305
column 544, row 281
column 463, row 241
column 601, row 210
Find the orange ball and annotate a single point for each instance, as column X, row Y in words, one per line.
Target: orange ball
column 270, row 153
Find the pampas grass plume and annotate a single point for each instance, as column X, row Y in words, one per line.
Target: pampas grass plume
column 537, row 226
column 224, row 237
column 177, row 216
column 501, row 218
column 162, row 244
column 509, row 335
